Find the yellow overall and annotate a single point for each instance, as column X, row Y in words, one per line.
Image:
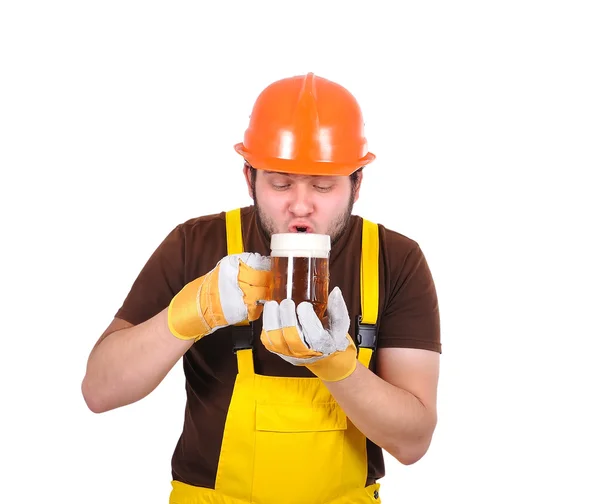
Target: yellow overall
column 286, row 440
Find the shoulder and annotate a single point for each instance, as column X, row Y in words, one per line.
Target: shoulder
column 202, row 241
column 201, row 224
column 189, row 233
column 210, row 222
column 396, row 242
column 404, row 265
column 395, row 248
column 199, row 229
column 389, row 237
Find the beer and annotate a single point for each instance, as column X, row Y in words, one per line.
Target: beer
column 300, row 267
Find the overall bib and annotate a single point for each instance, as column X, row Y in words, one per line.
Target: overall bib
column 286, row 440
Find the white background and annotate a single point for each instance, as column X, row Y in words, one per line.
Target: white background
column 117, row 121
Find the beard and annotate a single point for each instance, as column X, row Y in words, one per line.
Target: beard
column 336, row 229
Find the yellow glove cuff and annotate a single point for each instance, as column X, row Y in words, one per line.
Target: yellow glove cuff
column 336, row 366
column 196, row 309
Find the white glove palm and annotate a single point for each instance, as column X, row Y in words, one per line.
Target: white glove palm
column 298, row 336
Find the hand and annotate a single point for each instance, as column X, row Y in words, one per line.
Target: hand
column 226, row 295
column 303, row 341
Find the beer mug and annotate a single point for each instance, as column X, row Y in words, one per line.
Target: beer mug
column 300, row 267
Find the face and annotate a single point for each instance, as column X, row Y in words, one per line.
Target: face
column 289, row 203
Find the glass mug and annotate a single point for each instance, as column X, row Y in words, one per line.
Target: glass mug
column 300, row 268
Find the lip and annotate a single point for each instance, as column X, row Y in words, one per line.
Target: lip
column 292, row 227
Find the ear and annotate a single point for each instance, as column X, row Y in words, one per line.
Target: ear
column 248, row 177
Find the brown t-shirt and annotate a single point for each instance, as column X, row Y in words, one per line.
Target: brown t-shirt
column 408, row 317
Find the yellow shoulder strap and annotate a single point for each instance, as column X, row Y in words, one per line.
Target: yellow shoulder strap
column 369, row 283
column 235, row 245
column 369, row 273
column 233, row 224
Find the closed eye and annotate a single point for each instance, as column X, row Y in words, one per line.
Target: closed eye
column 323, row 188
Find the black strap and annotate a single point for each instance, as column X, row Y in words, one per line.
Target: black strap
column 243, row 336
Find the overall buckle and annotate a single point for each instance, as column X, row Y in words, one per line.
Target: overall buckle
column 366, row 334
column 243, row 336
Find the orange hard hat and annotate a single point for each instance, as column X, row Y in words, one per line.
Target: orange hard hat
column 306, row 125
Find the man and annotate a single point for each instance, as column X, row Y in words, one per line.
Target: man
column 281, row 409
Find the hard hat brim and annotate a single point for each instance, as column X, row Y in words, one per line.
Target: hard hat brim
column 303, row 167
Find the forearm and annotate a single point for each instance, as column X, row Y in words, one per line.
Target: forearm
column 391, row 417
column 130, row 363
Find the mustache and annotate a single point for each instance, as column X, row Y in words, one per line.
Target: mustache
column 267, row 227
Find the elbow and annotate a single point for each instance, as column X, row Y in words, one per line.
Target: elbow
column 410, row 452
column 408, row 455
column 92, row 399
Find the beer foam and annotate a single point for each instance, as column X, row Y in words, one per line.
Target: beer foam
column 300, row 245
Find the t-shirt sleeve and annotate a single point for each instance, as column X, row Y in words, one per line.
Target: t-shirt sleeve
column 411, row 316
column 157, row 283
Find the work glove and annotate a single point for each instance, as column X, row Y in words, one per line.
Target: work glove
column 298, row 336
column 226, row 295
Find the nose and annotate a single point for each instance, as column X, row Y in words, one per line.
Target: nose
column 301, row 203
